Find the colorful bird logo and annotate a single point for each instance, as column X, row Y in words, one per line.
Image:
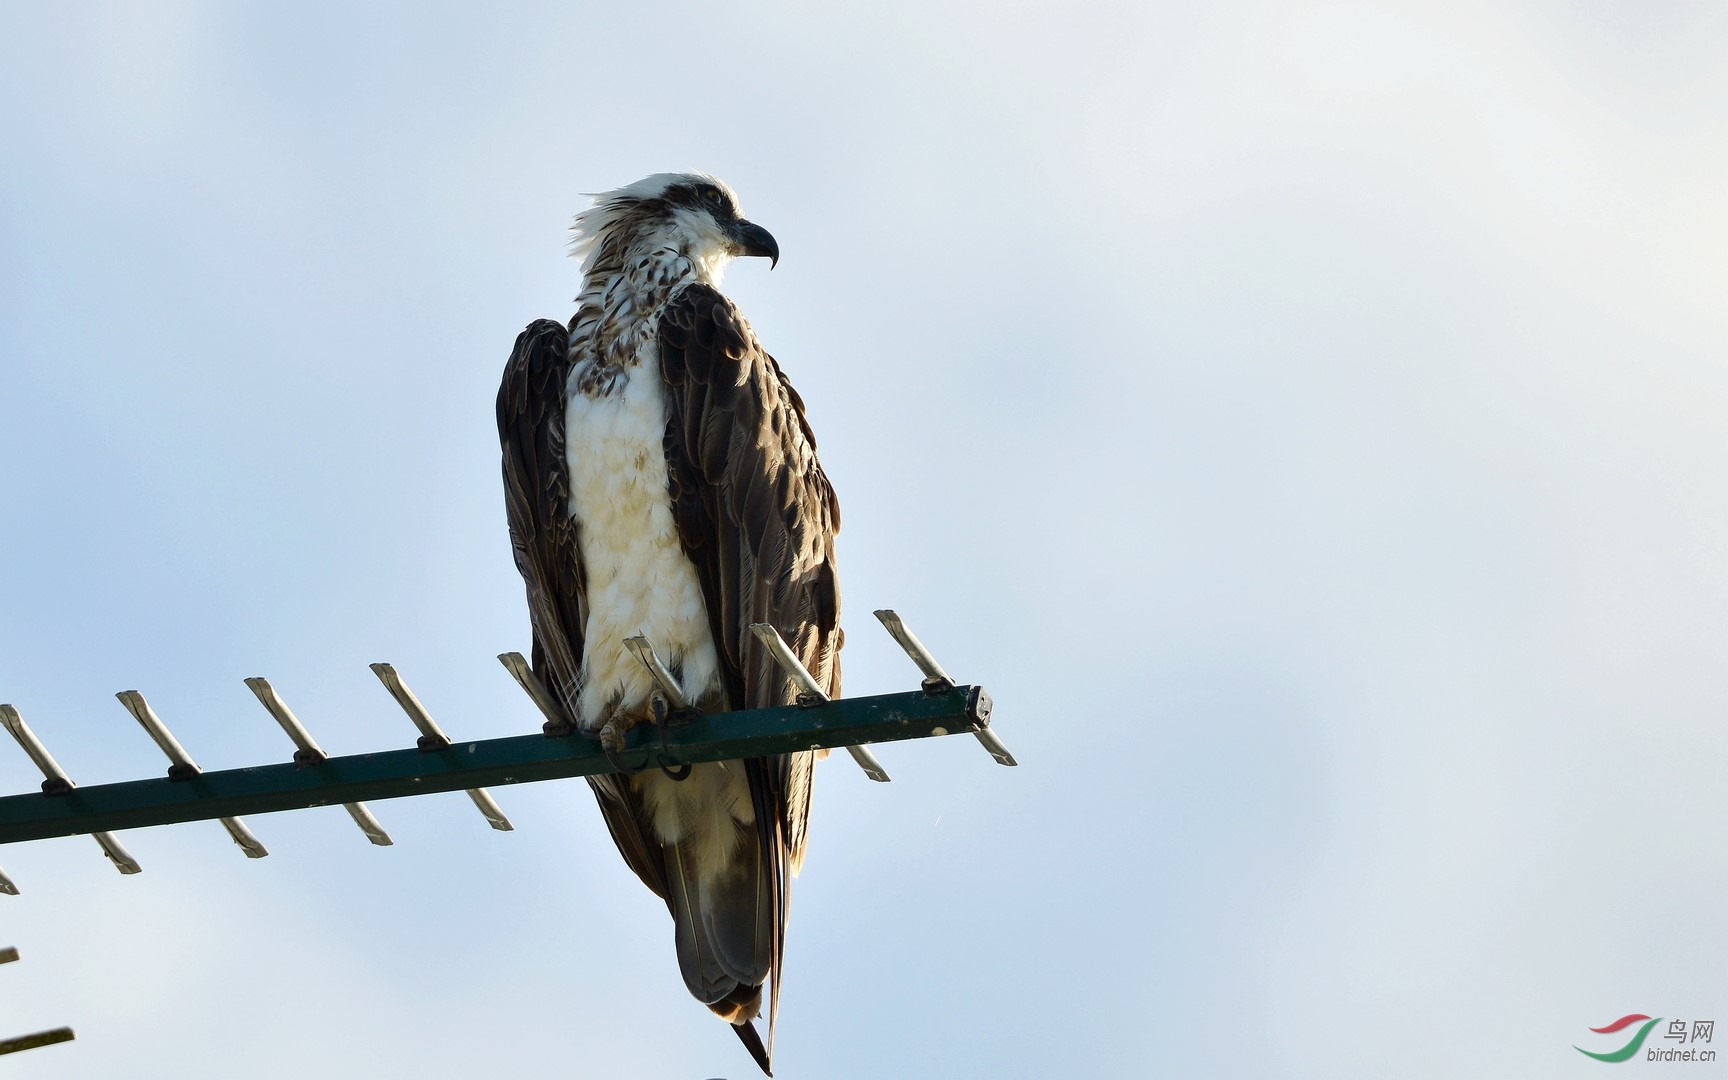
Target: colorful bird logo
column 1631, row 1047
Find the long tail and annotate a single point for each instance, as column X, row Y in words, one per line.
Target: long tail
column 726, row 931
column 753, row 1043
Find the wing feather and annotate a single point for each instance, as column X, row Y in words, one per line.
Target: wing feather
column 537, row 502
column 531, row 408
column 757, row 517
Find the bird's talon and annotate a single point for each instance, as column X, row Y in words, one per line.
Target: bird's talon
column 611, row 739
column 612, row 736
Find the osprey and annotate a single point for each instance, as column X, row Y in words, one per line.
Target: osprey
column 660, row 479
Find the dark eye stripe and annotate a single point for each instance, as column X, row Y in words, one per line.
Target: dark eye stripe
column 693, row 195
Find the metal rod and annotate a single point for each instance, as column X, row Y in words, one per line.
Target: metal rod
column 271, row 700
column 6, row 885
column 9, row 955
column 994, row 745
column 56, row 777
column 430, row 730
column 914, row 648
column 41, row 1038
column 489, row 809
column 935, row 678
column 532, row 686
column 368, row 824
column 183, row 765
column 310, row 751
column 9, row 716
column 791, row 665
column 410, row 704
column 867, row 761
column 158, row 731
column 241, row 835
column 514, row 759
column 118, row 855
column 662, row 674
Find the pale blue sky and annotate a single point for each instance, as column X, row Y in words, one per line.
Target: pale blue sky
column 1306, row 419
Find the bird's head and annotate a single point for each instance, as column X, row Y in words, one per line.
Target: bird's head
column 693, row 213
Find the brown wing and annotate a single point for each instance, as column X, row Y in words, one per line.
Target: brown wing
column 531, row 408
column 757, row 517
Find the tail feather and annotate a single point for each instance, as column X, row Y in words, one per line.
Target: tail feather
column 765, row 794
column 753, row 1043
column 705, row 972
column 727, row 935
column 724, row 925
column 737, row 913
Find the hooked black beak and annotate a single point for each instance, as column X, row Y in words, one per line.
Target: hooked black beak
column 753, row 239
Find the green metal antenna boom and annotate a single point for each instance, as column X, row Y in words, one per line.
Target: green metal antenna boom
column 438, row 764
column 461, row 766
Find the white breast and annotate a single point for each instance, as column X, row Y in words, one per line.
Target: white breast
column 638, row 578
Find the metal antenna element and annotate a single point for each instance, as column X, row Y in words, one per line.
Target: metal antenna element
column 644, row 652
column 811, row 694
column 532, row 686
column 182, row 767
column 310, row 753
column 432, row 738
column 56, row 782
column 908, row 641
column 41, row 1038
column 937, row 681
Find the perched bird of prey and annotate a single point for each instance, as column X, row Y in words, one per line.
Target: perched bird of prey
column 660, row 479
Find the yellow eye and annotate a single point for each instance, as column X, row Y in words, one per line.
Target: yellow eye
column 713, row 194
